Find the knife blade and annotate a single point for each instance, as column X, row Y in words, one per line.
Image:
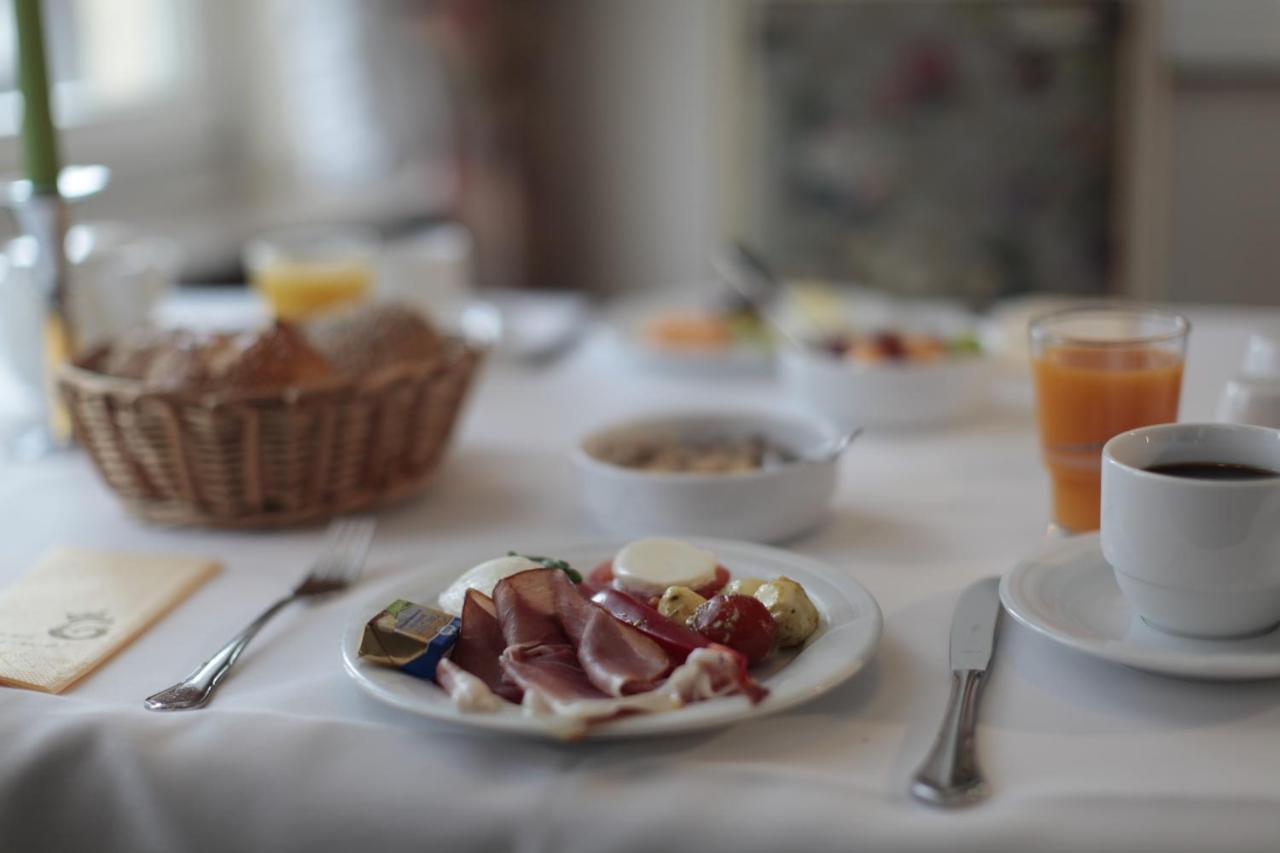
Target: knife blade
column 973, row 627
column 950, row 775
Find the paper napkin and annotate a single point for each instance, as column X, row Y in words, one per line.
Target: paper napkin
column 79, row 607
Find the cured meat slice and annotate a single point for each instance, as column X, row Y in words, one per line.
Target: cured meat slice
column 480, row 644
column 542, row 607
column 526, row 608
column 616, row 657
column 467, row 692
column 571, row 662
column 552, row 670
column 678, row 640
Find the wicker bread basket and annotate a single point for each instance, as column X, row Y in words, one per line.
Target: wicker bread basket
column 265, row 459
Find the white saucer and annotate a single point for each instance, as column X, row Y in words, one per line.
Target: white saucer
column 1068, row 593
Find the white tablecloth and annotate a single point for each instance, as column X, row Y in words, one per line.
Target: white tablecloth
column 292, row 756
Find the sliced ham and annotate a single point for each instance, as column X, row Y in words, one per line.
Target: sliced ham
column 708, row 673
column 553, row 670
column 466, row 691
column 526, row 608
column 543, row 608
column 570, row 662
column 480, row 644
column 678, row 640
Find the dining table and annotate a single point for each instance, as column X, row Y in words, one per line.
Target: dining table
column 291, row 755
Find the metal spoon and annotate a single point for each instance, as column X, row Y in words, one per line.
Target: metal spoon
column 826, row 454
column 833, row 450
column 741, row 269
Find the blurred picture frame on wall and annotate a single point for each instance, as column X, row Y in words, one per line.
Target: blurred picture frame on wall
column 972, row 150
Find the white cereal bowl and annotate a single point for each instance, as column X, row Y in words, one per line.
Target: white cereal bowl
column 885, row 395
column 766, row 505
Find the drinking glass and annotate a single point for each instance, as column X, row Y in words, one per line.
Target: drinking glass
column 1099, row 371
column 312, row 269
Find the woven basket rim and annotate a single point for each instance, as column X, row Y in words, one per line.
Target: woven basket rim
column 86, row 379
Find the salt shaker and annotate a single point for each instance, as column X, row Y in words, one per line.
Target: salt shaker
column 1253, row 395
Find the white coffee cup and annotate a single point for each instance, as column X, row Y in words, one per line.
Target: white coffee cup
column 1198, row 557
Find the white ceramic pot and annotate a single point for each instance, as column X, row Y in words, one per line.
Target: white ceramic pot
column 765, row 505
column 1194, row 556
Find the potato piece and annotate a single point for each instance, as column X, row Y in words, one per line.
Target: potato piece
column 743, row 586
column 678, row 604
column 791, row 608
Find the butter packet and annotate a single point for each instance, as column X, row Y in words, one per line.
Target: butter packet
column 409, row 637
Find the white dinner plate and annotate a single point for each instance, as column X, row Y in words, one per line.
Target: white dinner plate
column 734, row 360
column 1068, row 593
column 844, row 642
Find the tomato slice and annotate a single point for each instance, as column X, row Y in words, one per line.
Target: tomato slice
column 714, row 585
column 597, row 579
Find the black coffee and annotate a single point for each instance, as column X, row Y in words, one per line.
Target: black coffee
column 1213, row 471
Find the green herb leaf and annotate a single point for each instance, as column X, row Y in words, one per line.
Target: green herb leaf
column 964, row 345
column 551, row 563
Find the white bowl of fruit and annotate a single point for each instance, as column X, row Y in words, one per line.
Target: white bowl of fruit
column 888, row 378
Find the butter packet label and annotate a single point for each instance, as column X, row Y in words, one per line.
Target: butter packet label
column 79, row 607
column 409, row 637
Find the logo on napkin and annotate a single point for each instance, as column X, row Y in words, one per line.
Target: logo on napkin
column 79, row 607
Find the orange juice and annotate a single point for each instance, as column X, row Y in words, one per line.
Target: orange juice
column 298, row 288
column 1084, row 396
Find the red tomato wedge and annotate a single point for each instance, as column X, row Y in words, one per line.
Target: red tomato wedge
column 597, row 579
column 602, row 576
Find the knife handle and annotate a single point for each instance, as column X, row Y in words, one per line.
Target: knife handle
column 950, row 775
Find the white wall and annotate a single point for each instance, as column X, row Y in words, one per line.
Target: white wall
column 638, row 138
column 1224, row 241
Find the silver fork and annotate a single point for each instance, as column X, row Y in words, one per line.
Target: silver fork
column 341, row 558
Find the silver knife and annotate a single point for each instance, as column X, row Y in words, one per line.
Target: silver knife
column 950, row 775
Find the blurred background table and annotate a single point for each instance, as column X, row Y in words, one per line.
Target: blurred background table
column 292, row 756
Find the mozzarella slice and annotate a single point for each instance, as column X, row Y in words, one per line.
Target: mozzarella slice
column 648, row 566
column 484, row 578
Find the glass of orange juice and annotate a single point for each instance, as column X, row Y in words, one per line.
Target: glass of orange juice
column 309, row 270
column 1098, row 372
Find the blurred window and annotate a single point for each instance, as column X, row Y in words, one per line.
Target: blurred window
column 109, row 59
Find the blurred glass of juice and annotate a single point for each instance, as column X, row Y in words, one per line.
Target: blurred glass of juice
column 1097, row 373
column 310, row 270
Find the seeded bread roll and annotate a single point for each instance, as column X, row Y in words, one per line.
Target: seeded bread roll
column 278, row 357
column 180, row 365
column 365, row 340
column 132, row 355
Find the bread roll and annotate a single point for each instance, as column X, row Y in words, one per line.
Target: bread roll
column 370, row 338
column 278, row 357
column 132, row 355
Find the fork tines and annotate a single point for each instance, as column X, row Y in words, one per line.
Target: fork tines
column 345, row 545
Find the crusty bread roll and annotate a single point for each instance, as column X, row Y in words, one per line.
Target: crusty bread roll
column 278, row 357
column 179, row 365
column 132, row 355
column 351, row 344
column 364, row 340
